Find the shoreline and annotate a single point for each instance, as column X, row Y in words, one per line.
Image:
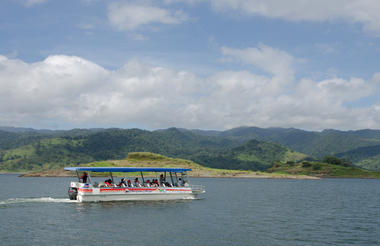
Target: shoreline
column 253, row 176
column 48, row 174
column 14, row 173
column 197, row 174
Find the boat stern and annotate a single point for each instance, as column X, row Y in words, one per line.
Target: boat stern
column 73, row 190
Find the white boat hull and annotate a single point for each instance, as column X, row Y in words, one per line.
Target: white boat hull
column 134, row 194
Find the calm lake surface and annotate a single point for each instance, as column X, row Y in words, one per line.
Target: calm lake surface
column 36, row 211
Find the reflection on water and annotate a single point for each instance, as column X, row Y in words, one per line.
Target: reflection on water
column 133, row 204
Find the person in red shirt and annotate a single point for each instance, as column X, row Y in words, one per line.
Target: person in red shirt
column 137, row 182
column 84, row 177
column 108, row 182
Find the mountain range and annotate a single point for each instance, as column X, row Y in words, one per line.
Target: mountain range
column 248, row 148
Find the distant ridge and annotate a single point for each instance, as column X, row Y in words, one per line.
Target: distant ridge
column 22, row 129
column 27, row 148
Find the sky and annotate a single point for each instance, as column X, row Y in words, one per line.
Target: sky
column 204, row 64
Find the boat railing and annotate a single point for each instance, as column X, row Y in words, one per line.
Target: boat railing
column 198, row 188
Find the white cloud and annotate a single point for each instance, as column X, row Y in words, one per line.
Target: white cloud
column 131, row 15
column 29, row 3
column 354, row 11
column 364, row 12
column 376, row 78
column 271, row 60
column 76, row 92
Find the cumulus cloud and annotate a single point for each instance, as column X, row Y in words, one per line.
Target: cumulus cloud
column 355, row 11
column 77, row 92
column 131, row 15
column 274, row 61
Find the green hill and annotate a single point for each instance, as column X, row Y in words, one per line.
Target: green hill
column 253, row 155
column 346, row 144
column 56, row 150
column 248, row 148
column 315, row 144
column 365, row 157
column 146, row 159
column 289, row 169
column 323, row 170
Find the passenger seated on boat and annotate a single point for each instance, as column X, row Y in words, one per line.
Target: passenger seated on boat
column 108, row 182
column 180, row 183
column 147, row 183
column 154, row 183
column 129, row 183
column 137, row 182
column 167, row 184
column 162, row 179
column 122, row 183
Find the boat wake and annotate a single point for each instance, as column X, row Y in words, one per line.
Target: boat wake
column 36, row 199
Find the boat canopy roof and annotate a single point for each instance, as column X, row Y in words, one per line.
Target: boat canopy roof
column 128, row 169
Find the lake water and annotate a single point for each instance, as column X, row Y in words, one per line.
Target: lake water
column 36, row 211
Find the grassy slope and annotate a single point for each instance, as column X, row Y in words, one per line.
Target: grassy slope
column 364, row 157
column 372, row 163
column 325, row 170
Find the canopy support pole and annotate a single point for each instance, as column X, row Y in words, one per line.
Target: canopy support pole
column 111, row 177
column 78, row 175
column 89, row 177
column 142, row 176
column 176, row 178
column 171, row 177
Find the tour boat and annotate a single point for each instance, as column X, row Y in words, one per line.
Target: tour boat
column 132, row 189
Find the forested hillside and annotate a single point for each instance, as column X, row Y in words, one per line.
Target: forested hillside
column 360, row 147
column 248, row 148
column 32, row 150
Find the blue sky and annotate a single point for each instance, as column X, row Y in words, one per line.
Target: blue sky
column 208, row 64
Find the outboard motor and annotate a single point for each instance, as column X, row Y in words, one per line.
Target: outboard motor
column 73, row 192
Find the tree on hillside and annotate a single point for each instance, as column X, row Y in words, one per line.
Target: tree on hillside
column 336, row 161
